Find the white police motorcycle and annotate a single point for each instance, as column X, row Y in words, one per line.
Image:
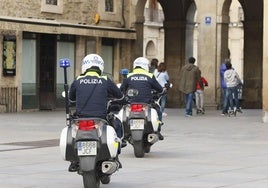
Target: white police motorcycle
column 91, row 142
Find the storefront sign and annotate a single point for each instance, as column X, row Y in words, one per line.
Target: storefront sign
column 9, row 55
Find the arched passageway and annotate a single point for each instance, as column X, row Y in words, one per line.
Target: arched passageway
column 213, row 21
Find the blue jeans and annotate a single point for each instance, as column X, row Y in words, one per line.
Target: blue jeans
column 189, row 102
column 163, row 102
column 231, row 96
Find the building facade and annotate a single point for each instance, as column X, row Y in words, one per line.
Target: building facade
column 35, row 35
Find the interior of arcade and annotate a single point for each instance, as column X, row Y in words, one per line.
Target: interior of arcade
column 237, row 31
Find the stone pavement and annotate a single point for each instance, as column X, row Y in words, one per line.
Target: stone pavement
column 206, row 151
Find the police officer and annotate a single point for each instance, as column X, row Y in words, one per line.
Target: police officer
column 144, row 82
column 90, row 92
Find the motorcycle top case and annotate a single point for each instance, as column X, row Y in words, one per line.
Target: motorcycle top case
column 67, row 144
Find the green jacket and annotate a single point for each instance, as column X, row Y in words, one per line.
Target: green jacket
column 189, row 76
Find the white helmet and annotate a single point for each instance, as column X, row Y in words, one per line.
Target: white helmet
column 92, row 60
column 141, row 62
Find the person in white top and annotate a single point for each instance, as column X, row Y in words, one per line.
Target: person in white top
column 162, row 77
column 232, row 81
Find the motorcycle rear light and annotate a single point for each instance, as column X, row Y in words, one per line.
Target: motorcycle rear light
column 136, row 107
column 86, row 125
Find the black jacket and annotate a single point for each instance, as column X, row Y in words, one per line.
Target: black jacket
column 90, row 92
column 144, row 82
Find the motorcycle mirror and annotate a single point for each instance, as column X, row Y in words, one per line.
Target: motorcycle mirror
column 132, row 92
column 64, row 63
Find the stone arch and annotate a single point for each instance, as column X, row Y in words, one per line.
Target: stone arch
column 175, row 27
column 253, row 49
column 191, row 32
column 139, row 13
column 253, row 52
column 175, row 13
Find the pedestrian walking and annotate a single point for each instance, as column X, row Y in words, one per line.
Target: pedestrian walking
column 153, row 65
column 189, row 76
column 223, row 84
column 232, row 80
column 199, row 95
column 162, row 77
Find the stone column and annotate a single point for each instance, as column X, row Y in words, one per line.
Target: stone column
column 253, row 51
column 265, row 64
column 222, row 53
column 175, row 59
column 207, row 49
column 139, row 41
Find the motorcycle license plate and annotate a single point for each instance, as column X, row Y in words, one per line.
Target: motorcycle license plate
column 136, row 124
column 86, row 148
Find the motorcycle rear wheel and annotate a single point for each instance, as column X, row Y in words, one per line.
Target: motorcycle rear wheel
column 90, row 180
column 138, row 149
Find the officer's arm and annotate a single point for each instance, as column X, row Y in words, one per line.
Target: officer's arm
column 72, row 92
column 114, row 90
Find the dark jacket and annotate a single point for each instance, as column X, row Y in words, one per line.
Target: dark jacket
column 144, row 82
column 91, row 91
column 189, row 76
column 222, row 70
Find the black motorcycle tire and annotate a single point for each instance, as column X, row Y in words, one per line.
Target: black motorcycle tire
column 138, row 149
column 90, row 180
column 105, row 179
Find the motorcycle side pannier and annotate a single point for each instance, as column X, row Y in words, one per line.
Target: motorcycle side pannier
column 67, row 144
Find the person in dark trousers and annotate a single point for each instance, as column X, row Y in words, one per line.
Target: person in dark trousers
column 223, row 83
column 232, row 81
column 90, row 93
column 189, row 76
column 162, row 77
column 144, row 82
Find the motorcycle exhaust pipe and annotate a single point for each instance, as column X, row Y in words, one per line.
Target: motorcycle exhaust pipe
column 109, row 167
column 152, row 138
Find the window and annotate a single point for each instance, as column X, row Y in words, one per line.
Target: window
column 52, row 6
column 51, row 2
column 109, row 5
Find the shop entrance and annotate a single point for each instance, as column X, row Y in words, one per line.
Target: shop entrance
column 47, row 71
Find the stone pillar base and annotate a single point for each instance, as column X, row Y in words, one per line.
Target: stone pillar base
column 3, row 108
column 265, row 117
column 211, row 106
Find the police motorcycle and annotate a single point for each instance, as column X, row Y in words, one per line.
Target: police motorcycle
column 140, row 122
column 91, row 142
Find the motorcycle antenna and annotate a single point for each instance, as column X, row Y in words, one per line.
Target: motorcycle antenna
column 65, row 63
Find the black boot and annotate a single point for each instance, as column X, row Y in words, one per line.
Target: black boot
column 117, row 160
column 74, row 166
column 124, row 143
column 160, row 136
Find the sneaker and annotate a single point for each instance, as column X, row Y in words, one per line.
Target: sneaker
column 223, row 114
column 164, row 114
column 188, row 115
column 239, row 110
column 74, row 166
column 160, row 136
